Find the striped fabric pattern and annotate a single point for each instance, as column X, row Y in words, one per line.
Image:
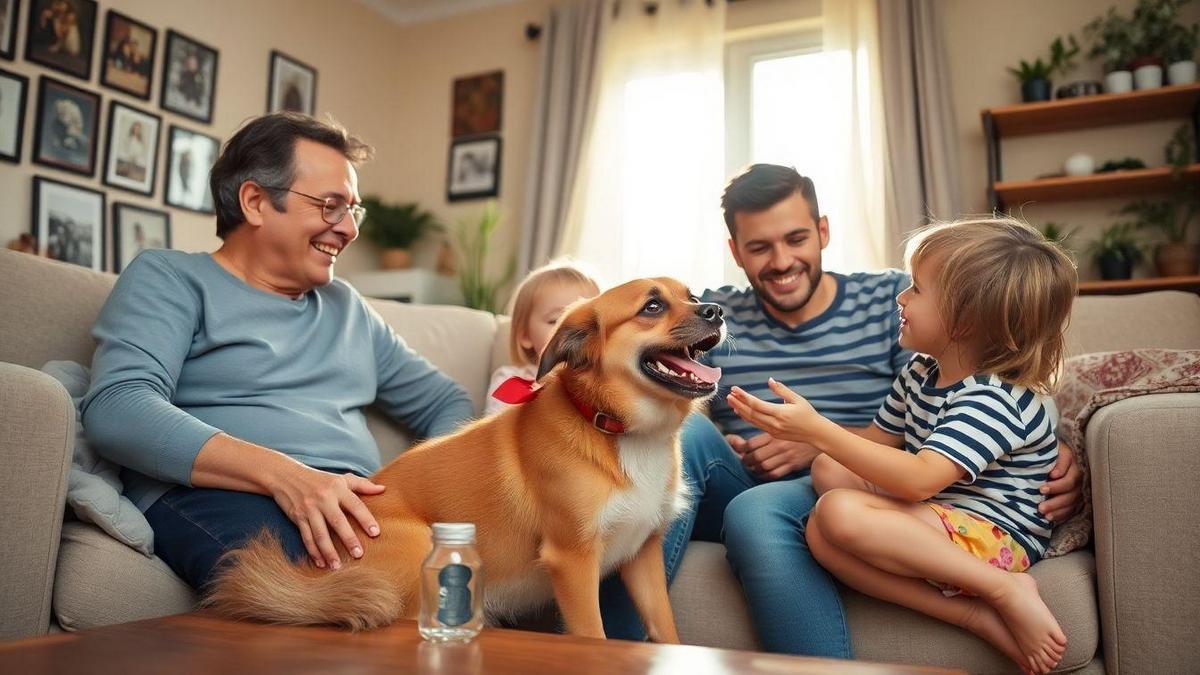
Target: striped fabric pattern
column 844, row 360
column 1001, row 435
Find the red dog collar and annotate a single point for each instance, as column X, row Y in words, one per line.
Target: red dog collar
column 517, row 390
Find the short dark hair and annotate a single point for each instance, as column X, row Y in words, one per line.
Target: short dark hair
column 263, row 151
column 761, row 186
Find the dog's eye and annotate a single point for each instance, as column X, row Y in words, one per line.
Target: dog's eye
column 653, row 307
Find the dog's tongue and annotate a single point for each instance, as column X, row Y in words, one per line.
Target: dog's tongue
column 707, row 374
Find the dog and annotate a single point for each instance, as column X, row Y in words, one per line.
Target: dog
column 582, row 479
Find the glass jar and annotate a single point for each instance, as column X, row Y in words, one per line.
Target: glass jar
column 451, row 586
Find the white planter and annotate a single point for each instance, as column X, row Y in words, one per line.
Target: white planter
column 1080, row 164
column 1181, row 72
column 1147, row 77
column 1118, row 82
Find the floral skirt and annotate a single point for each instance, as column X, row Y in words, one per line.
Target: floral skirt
column 984, row 540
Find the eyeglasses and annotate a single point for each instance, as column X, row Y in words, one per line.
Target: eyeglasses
column 333, row 209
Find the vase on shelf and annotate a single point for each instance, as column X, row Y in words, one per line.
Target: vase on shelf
column 395, row 258
column 1118, row 82
column 1176, row 259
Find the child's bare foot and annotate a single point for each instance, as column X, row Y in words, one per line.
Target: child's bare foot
column 1032, row 623
column 986, row 622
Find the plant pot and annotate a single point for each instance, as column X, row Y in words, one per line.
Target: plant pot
column 395, row 258
column 1181, row 72
column 1147, row 77
column 1177, row 259
column 1080, row 164
column 1035, row 90
column 1118, row 82
column 1114, row 267
column 1145, row 61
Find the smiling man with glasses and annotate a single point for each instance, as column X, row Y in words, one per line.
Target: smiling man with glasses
column 231, row 385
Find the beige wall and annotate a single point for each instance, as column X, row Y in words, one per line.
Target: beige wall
column 982, row 39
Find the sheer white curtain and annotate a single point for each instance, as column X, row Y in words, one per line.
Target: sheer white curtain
column 646, row 202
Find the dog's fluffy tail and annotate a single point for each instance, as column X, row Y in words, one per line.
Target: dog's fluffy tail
column 259, row 582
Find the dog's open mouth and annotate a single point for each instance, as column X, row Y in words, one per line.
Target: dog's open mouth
column 677, row 368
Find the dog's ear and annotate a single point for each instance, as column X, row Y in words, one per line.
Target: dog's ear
column 570, row 344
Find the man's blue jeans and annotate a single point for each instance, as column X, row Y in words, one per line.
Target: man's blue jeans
column 793, row 601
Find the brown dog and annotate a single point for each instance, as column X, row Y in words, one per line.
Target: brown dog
column 558, row 499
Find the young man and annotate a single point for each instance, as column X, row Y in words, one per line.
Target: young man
column 832, row 338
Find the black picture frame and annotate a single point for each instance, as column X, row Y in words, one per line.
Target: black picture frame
column 191, row 192
column 123, row 214
column 59, row 240
column 45, row 46
column 10, row 16
column 473, row 168
column 191, row 95
column 283, row 71
column 12, row 115
column 55, row 136
column 114, row 174
column 116, row 70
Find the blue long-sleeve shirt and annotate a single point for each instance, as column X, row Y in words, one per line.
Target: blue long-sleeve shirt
column 186, row 350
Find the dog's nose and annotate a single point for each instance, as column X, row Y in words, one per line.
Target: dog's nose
column 710, row 312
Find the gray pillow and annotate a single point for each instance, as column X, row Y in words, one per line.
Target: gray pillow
column 94, row 485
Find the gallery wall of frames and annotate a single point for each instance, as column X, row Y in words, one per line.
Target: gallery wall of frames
column 99, row 192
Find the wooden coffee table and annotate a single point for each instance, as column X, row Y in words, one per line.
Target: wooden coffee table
column 203, row 643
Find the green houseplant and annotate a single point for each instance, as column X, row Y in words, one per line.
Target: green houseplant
column 474, row 245
column 1114, row 39
column 1116, row 252
column 1035, row 77
column 1172, row 216
column 395, row 228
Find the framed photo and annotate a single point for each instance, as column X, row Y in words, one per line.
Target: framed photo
column 61, row 35
column 12, row 114
column 136, row 229
column 191, row 156
column 68, row 222
column 477, row 104
column 474, row 169
column 189, row 77
column 292, row 85
column 128, row 63
column 68, row 119
column 131, row 156
column 9, row 11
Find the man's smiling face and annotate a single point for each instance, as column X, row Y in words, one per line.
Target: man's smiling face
column 779, row 249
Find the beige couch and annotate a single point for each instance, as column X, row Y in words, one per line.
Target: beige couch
column 1132, row 604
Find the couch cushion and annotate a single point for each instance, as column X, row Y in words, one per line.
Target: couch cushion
column 711, row 610
column 101, row 581
column 1106, row 323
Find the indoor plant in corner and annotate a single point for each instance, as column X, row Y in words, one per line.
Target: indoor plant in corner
column 1172, row 216
column 395, row 228
column 1179, row 52
column 474, row 243
column 1116, row 252
column 1113, row 40
column 1035, row 77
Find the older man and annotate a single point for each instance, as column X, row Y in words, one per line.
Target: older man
column 231, row 385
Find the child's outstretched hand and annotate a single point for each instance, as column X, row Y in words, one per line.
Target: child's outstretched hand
column 792, row 420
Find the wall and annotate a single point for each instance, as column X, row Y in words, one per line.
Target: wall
column 352, row 48
column 1023, row 29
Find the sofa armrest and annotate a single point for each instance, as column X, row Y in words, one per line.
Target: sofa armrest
column 1145, row 459
column 38, row 420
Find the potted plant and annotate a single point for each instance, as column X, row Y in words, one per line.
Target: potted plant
column 1113, row 39
column 1035, row 77
column 474, row 243
column 1116, row 251
column 1179, row 52
column 394, row 228
column 1155, row 23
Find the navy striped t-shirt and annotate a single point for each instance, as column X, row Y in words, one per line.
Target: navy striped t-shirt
column 843, row 361
column 1000, row 434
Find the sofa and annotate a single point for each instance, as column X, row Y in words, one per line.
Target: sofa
column 1128, row 604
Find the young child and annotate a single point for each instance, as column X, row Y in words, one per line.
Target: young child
column 986, row 314
column 536, row 306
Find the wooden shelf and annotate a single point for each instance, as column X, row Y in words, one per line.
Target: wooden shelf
column 1127, row 286
column 1097, row 185
column 1084, row 112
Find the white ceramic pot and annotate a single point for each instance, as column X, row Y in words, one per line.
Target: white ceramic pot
column 1181, row 72
column 1147, row 77
column 1118, row 82
column 1080, row 164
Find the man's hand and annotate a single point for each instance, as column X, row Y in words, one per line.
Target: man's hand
column 317, row 502
column 772, row 458
column 1063, row 492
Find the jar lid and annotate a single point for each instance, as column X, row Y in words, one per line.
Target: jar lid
column 454, row 533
